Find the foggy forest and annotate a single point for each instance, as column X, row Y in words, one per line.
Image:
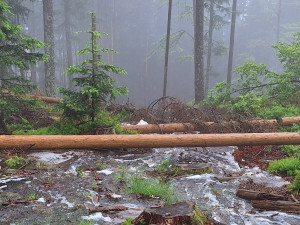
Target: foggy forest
column 149, row 112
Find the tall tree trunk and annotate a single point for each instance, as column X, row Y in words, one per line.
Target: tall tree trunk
column 210, row 42
column 49, row 40
column 94, row 53
column 199, row 49
column 231, row 47
column 67, row 4
column 278, row 21
column 167, row 49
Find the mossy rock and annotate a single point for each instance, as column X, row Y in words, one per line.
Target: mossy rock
column 191, row 169
column 181, row 213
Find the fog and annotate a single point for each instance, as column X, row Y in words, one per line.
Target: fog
column 137, row 29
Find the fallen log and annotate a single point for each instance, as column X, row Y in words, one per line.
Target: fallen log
column 286, row 206
column 286, row 121
column 107, row 209
column 45, row 99
column 146, row 141
column 189, row 127
column 257, row 195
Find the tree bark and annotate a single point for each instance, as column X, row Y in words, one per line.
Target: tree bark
column 146, row 141
column 167, row 49
column 257, row 195
column 49, row 40
column 198, row 50
column 231, row 47
column 67, row 5
column 210, row 42
column 276, row 205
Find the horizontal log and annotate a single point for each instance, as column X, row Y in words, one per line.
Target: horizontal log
column 188, row 127
column 144, row 141
column 258, row 195
column 286, row 206
column 45, row 99
column 286, row 121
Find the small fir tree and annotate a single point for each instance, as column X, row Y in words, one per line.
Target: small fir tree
column 94, row 87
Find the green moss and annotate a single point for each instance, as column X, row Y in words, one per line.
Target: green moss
column 199, row 218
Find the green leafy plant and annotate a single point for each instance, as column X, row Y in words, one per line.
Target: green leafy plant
column 85, row 222
column 15, row 162
column 93, row 80
column 287, row 166
column 94, row 186
column 291, row 150
column 295, row 187
column 128, row 221
column 79, row 172
column 32, row 196
column 121, row 176
column 164, row 165
column 152, row 188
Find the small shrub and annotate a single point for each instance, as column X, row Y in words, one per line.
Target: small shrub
column 128, row 221
column 32, row 196
column 152, row 188
column 79, row 172
column 122, row 176
column 15, row 163
column 287, row 166
column 295, row 187
column 291, row 150
column 164, row 165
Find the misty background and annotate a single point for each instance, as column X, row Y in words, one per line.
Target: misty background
column 137, row 30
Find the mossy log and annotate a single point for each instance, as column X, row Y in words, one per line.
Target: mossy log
column 257, row 195
column 182, row 213
column 145, row 141
column 286, row 206
column 191, row 169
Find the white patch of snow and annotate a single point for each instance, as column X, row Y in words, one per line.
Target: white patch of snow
column 116, row 196
column 97, row 217
column 106, row 172
column 142, row 122
column 42, row 200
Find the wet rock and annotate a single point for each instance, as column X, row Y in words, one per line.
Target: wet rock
column 192, row 169
column 182, row 213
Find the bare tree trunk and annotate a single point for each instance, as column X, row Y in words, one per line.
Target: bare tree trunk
column 67, row 4
column 167, row 49
column 94, row 53
column 198, row 50
column 210, row 42
column 278, row 21
column 231, row 47
column 49, row 40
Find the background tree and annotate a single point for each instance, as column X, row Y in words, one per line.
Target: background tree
column 167, row 49
column 49, row 50
column 199, row 50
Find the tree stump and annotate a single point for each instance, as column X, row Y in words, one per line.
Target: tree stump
column 181, row 213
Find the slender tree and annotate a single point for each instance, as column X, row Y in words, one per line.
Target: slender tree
column 278, row 22
column 231, row 47
column 210, row 43
column 67, row 23
column 49, row 40
column 199, row 49
column 167, row 49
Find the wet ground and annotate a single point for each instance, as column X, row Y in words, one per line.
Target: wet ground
column 61, row 187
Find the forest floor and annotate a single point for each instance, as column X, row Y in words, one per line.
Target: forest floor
column 64, row 187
